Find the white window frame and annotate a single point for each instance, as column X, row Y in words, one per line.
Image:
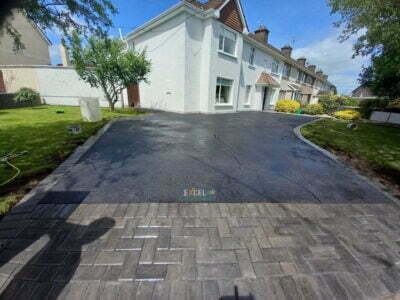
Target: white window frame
column 221, row 80
column 221, row 46
column 276, row 63
column 252, row 56
column 248, row 94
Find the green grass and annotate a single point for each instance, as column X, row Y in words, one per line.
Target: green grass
column 376, row 144
column 43, row 134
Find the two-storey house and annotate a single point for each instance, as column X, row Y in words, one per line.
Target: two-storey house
column 205, row 59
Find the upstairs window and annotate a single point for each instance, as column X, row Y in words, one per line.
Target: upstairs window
column 252, row 55
column 275, row 67
column 223, row 91
column 227, row 42
column 286, row 70
column 301, row 77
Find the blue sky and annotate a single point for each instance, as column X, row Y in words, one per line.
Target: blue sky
column 305, row 24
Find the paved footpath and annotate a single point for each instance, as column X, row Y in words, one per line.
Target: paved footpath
column 201, row 251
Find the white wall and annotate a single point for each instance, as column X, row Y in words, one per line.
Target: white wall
column 56, row 85
column 165, row 47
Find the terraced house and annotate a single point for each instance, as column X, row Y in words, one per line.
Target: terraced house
column 206, row 60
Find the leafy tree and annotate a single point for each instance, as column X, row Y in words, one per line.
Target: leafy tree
column 107, row 64
column 377, row 21
column 378, row 24
column 383, row 76
column 66, row 15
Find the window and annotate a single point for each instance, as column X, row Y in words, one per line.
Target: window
column 223, row 91
column 301, row 77
column 248, row 92
column 252, row 55
column 286, row 70
column 275, row 66
column 227, row 41
column 282, row 95
column 310, row 80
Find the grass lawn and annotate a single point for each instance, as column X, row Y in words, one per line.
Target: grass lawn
column 43, row 134
column 376, row 145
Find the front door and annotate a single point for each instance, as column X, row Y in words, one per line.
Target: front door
column 133, row 95
column 265, row 94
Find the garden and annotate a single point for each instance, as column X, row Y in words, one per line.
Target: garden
column 36, row 139
column 371, row 147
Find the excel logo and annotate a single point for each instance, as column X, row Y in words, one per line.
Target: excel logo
column 196, row 194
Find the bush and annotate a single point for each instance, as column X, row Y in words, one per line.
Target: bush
column 367, row 106
column 350, row 101
column 332, row 103
column 347, row 115
column 314, row 109
column 287, row 105
column 27, row 96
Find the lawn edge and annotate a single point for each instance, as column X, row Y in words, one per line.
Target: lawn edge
column 330, row 155
column 30, row 200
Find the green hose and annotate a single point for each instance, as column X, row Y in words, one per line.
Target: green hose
column 6, row 159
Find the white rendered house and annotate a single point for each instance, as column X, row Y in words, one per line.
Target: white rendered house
column 204, row 59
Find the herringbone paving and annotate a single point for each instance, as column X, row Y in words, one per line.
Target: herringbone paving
column 201, row 251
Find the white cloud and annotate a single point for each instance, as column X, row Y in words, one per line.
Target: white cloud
column 335, row 59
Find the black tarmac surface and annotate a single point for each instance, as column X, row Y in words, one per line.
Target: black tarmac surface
column 242, row 157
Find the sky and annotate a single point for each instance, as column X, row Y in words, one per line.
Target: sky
column 306, row 25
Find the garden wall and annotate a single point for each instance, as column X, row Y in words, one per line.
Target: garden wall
column 56, row 85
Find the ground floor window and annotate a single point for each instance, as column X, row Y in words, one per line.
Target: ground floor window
column 297, row 96
column 223, row 91
column 248, row 93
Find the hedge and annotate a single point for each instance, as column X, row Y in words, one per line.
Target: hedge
column 7, row 101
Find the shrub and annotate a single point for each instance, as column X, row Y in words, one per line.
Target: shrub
column 287, row 105
column 27, row 96
column 314, row 109
column 332, row 103
column 350, row 101
column 347, row 115
column 367, row 106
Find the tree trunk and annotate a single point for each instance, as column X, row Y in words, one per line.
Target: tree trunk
column 112, row 106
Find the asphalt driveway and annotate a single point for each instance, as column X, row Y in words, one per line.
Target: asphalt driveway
column 243, row 157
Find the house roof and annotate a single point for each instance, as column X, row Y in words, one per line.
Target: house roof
column 266, row 79
column 215, row 4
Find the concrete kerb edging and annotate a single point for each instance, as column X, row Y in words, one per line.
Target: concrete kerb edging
column 297, row 132
column 30, row 200
column 376, row 185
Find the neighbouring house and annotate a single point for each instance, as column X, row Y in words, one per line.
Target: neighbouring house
column 363, row 92
column 36, row 51
column 205, row 59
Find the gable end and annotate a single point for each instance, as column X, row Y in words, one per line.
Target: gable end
column 230, row 15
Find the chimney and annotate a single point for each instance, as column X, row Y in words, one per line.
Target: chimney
column 64, row 56
column 262, row 34
column 320, row 73
column 302, row 61
column 287, row 50
column 312, row 68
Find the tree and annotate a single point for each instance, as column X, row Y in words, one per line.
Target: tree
column 66, row 15
column 377, row 22
column 107, row 64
